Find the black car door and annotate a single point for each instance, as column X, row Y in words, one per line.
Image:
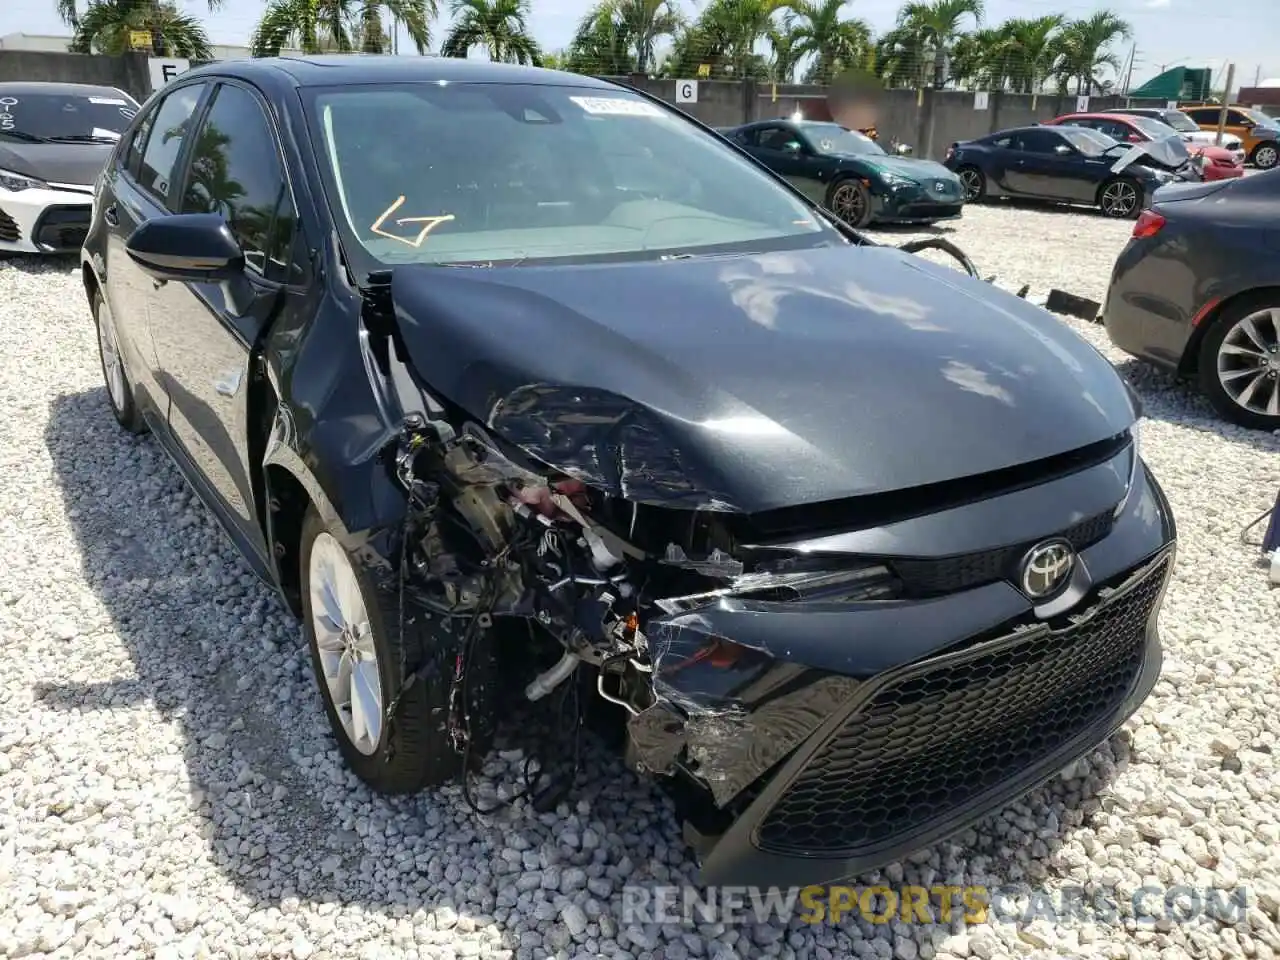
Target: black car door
column 1051, row 168
column 136, row 189
column 203, row 339
column 784, row 151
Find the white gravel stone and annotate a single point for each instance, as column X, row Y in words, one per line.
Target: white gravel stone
column 168, row 786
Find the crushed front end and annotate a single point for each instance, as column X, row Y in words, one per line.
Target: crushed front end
column 823, row 688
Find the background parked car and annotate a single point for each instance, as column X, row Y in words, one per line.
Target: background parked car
column 851, row 174
column 1187, row 127
column 54, row 140
column 1064, row 164
column 1259, row 133
column 1197, row 291
column 1222, row 164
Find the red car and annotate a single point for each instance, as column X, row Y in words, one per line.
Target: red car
column 1222, row 164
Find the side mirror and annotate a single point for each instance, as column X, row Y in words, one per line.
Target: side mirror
column 1133, row 138
column 791, row 146
column 188, row 246
column 1062, row 150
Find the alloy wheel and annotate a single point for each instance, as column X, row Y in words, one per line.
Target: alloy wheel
column 1265, row 157
column 847, row 202
column 112, row 367
column 1249, row 362
column 972, row 182
column 1119, row 199
column 344, row 639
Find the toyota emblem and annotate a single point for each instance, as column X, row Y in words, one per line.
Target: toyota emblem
column 939, row 186
column 1046, row 569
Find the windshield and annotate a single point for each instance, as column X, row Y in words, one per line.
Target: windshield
column 1092, row 143
column 1180, row 121
column 1155, row 129
column 485, row 173
column 65, row 116
column 831, row 138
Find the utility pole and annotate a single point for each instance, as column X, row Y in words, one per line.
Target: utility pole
column 1257, row 75
column 1226, row 101
column 1128, row 78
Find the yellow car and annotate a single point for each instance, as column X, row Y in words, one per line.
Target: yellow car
column 1259, row 133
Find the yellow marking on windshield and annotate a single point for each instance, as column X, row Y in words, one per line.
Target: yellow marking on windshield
column 416, row 241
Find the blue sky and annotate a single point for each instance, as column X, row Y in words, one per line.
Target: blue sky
column 1169, row 32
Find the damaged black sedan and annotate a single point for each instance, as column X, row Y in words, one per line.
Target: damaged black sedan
column 523, row 388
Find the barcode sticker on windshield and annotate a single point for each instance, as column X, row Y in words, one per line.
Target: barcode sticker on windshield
column 616, row 106
column 109, row 101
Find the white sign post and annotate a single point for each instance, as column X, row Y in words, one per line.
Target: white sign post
column 1171, row 105
column 1082, row 104
column 165, row 69
column 980, row 100
column 686, row 91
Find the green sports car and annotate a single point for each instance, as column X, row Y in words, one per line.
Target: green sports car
column 850, row 174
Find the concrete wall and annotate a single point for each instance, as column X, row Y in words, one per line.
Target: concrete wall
column 128, row 72
column 929, row 121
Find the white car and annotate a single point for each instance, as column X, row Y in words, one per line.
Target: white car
column 1190, row 131
column 55, row 139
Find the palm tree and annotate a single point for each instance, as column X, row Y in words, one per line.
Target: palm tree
column 902, row 57
column 735, row 27
column 983, row 58
column 833, row 42
column 316, row 26
column 601, row 45
column 106, row 25
column 622, row 34
column 782, row 42
column 937, row 24
column 1082, row 47
column 500, row 26
column 69, row 13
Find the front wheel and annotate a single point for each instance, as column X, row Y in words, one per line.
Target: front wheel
column 1239, row 364
column 353, row 631
column 1265, row 155
column 851, row 202
column 1120, row 199
column 974, row 182
column 114, row 376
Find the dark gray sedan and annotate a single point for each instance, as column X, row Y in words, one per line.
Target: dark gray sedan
column 1197, row 291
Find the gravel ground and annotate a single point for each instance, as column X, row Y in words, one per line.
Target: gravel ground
column 168, row 788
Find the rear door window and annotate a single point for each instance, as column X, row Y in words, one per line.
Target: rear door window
column 165, row 140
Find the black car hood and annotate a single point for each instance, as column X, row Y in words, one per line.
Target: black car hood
column 756, row 382
column 77, row 163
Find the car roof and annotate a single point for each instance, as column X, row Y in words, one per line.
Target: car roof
column 1097, row 115
column 32, row 89
column 340, row 69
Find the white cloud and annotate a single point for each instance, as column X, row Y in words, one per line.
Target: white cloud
column 1157, row 4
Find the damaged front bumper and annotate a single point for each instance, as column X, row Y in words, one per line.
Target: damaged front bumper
column 834, row 738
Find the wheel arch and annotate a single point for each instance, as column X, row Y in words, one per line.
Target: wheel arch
column 1189, row 364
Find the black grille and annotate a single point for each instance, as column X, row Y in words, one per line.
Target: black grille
column 9, row 231
column 932, row 741
column 929, row 578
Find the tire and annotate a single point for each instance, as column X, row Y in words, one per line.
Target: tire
column 1120, row 199
column 975, row 184
column 1236, row 401
column 413, row 751
column 1265, row 155
column 114, row 376
column 853, row 197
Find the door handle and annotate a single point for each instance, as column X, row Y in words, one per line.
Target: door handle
column 112, row 216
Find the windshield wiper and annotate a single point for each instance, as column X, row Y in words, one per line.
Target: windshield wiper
column 81, row 138
column 22, row 135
